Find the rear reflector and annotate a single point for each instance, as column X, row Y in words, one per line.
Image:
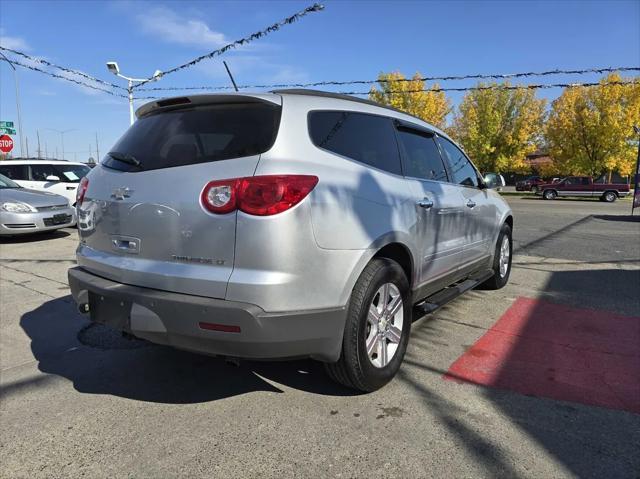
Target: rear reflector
column 225, row 328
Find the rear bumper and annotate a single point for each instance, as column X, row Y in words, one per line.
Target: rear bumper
column 175, row 319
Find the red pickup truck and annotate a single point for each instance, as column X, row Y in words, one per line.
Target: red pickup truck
column 583, row 186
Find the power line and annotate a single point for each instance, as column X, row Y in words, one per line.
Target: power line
column 482, row 87
column 65, row 69
column 398, row 80
column 504, row 87
column 316, row 7
column 55, row 75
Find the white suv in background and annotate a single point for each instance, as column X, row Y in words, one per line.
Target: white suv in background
column 55, row 176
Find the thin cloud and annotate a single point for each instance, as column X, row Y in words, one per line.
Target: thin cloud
column 15, row 43
column 168, row 26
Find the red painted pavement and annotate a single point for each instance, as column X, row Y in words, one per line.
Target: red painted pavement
column 560, row 352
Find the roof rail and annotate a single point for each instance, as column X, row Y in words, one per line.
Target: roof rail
column 339, row 96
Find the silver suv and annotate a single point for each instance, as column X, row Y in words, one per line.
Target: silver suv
column 282, row 225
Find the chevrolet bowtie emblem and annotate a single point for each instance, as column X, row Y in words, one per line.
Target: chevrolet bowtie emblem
column 121, row 193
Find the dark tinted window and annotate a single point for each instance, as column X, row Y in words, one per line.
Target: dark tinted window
column 585, row 181
column 40, row 172
column 14, row 172
column 459, row 166
column 197, row 135
column 421, row 155
column 366, row 138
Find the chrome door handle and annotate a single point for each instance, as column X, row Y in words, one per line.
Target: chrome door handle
column 471, row 203
column 425, row 203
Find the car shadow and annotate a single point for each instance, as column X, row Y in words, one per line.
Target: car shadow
column 108, row 364
column 539, row 384
column 35, row 237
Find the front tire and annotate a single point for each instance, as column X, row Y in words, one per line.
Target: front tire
column 377, row 329
column 501, row 260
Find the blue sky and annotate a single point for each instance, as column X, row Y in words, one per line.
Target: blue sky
column 348, row 40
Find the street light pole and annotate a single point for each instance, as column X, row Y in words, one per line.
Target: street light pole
column 62, row 132
column 113, row 68
column 15, row 79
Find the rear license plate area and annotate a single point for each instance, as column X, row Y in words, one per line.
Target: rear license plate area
column 113, row 312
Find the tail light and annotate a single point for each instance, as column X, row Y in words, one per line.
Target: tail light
column 81, row 191
column 257, row 195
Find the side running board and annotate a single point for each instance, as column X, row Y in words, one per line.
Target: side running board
column 442, row 297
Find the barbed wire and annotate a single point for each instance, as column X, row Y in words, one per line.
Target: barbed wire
column 61, row 77
column 64, row 69
column 479, row 87
column 399, row 80
column 316, row 7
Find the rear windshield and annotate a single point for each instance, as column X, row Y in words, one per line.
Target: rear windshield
column 187, row 136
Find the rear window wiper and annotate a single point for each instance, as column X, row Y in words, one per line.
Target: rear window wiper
column 123, row 157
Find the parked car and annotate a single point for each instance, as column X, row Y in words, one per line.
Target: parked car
column 531, row 183
column 583, row 186
column 282, row 225
column 29, row 211
column 55, row 176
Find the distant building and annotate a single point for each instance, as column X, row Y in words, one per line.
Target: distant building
column 538, row 160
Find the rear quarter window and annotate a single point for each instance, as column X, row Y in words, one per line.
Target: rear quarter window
column 369, row 139
column 187, row 136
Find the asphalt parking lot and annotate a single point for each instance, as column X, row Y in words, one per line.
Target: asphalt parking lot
column 555, row 402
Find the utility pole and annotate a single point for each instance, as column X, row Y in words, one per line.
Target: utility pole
column 39, row 150
column 27, row 138
column 46, row 153
column 97, row 150
column 15, row 79
column 57, row 158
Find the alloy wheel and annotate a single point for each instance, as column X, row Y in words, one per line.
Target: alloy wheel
column 384, row 325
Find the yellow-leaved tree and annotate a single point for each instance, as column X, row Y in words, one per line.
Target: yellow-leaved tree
column 432, row 106
column 498, row 127
column 590, row 129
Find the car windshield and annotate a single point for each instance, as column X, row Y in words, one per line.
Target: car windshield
column 6, row 183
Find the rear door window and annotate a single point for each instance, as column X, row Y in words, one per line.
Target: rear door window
column 188, row 136
column 460, row 167
column 420, row 155
column 41, row 172
column 369, row 139
column 15, row 172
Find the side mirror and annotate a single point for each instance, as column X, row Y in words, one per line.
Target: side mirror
column 494, row 180
column 52, row 178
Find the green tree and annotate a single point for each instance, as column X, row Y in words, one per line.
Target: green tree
column 498, row 127
column 432, row 106
column 590, row 129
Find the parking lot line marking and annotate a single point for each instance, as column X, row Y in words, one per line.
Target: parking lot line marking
column 560, row 352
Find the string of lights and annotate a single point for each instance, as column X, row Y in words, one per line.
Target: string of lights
column 479, row 87
column 494, row 76
column 61, row 77
column 64, row 69
column 316, row 7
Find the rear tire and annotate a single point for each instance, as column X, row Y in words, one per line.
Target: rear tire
column 501, row 264
column 609, row 196
column 549, row 194
column 375, row 337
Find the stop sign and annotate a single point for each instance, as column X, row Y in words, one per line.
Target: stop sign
column 6, row 143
